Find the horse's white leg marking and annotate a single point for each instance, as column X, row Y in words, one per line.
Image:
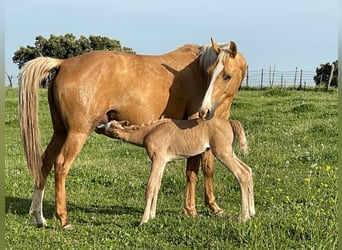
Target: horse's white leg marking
column 36, row 209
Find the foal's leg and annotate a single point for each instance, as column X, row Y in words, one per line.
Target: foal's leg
column 156, row 192
column 241, row 174
column 208, row 172
column 152, row 189
column 250, row 184
column 72, row 146
column 36, row 209
column 191, row 178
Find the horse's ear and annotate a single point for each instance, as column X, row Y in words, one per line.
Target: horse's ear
column 232, row 49
column 215, row 46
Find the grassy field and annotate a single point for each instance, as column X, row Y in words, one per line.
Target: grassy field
column 292, row 150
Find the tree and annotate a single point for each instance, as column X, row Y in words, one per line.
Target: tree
column 65, row 46
column 327, row 74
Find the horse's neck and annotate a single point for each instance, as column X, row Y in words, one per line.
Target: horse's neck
column 137, row 136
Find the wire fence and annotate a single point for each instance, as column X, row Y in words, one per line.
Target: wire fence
column 264, row 78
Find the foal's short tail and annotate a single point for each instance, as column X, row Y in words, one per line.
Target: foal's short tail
column 239, row 133
column 30, row 78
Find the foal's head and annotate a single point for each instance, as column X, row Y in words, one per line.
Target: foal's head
column 115, row 128
column 226, row 69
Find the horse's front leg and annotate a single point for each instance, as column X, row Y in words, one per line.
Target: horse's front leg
column 191, row 178
column 208, row 172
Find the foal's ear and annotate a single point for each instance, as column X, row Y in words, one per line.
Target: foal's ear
column 232, row 49
column 124, row 123
column 215, row 46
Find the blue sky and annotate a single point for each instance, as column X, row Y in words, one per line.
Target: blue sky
column 287, row 34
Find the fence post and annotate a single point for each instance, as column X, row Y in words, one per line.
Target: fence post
column 295, row 78
column 273, row 74
column 247, row 76
column 269, row 76
column 262, row 77
column 281, row 80
column 300, row 79
column 331, row 75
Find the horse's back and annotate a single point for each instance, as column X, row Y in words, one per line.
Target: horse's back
column 136, row 88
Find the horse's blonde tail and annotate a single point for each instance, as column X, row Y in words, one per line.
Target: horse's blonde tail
column 239, row 133
column 30, row 78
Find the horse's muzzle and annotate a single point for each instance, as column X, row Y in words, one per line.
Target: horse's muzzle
column 205, row 114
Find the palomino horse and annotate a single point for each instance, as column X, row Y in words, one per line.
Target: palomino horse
column 100, row 86
column 166, row 140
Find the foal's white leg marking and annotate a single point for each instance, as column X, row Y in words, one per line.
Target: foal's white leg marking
column 36, row 209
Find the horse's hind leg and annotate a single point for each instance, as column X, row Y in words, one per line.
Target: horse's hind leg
column 72, row 146
column 36, row 209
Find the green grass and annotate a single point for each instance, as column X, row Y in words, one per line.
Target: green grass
column 292, row 150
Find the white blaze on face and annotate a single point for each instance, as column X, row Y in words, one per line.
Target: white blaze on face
column 206, row 104
column 107, row 125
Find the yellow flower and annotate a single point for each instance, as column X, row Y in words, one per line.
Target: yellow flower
column 307, row 179
column 327, row 168
column 324, row 185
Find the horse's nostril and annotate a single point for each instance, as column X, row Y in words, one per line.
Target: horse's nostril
column 204, row 113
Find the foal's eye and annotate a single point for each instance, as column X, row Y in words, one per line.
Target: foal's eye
column 226, row 77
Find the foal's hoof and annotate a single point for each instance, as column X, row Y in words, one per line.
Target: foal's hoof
column 67, row 227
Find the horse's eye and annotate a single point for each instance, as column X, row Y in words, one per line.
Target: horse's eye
column 226, row 77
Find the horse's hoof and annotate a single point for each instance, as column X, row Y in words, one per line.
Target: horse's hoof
column 190, row 213
column 219, row 212
column 41, row 225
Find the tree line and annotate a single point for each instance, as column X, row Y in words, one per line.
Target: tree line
column 65, row 46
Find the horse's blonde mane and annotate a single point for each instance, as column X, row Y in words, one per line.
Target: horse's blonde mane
column 208, row 55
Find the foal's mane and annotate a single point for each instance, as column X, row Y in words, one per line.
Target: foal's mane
column 208, row 55
column 146, row 125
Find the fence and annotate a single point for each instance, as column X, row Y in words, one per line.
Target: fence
column 287, row 79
